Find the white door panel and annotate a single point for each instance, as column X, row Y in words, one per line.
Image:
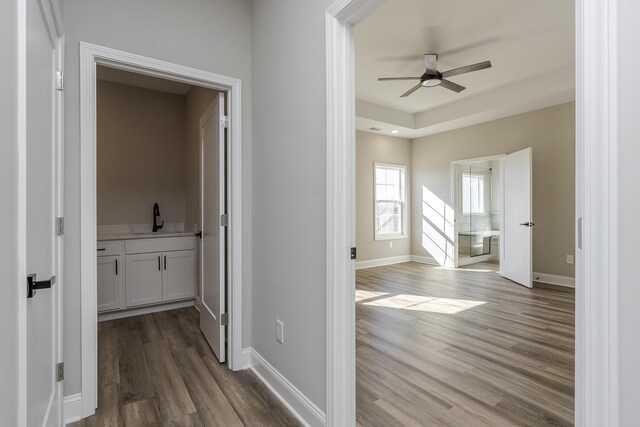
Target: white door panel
column 110, row 283
column 212, row 261
column 41, row 320
column 179, row 275
column 516, row 262
column 144, row 279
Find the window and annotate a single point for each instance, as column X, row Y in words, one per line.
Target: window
column 472, row 193
column 390, row 201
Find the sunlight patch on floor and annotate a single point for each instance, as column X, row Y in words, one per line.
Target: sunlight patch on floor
column 426, row 304
column 365, row 295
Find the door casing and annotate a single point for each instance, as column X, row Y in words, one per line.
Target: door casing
column 597, row 328
column 90, row 56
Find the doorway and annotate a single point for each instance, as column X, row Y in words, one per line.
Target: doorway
column 91, row 57
column 594, row 22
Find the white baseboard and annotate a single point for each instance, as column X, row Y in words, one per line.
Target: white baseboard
column 246, row 358
column 382, row 261
column 121, row 314
column 198, row 303
column 299, row 405
column 72, row 408
column 424, row 260
column 552, row 279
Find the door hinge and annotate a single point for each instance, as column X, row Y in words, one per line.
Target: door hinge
column 353, row 253
column 224, row 319
column 60, row 371
column 59, row 226
column 59, row 80
column 224, row 220
column 224, row 121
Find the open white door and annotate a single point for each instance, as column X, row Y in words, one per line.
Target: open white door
column 42, row 322
column 516, row 255
column 213, row 253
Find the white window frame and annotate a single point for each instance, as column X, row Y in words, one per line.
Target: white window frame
column 403, row 201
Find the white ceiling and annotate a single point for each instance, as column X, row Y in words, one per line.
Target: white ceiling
column 529, row 42
column 140, row 80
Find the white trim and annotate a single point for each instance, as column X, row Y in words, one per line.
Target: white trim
column 246, row 357
column 383, row 261
column 300, row 405
column 90, row 55
column 429, row 260
column 72, row 407
column 554, row 279
column 121, row 314
column 597, row 323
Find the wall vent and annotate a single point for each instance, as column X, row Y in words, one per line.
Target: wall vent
column 374, row 129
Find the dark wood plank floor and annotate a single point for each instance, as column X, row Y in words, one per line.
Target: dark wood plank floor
column 461, row 348
column 157, row 370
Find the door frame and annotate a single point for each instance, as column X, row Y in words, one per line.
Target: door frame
column 454, row 197
column 90, row 56
column 597, row 346
column 52, row 17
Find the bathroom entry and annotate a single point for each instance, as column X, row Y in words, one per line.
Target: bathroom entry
column 478, row 206
column 494, row 214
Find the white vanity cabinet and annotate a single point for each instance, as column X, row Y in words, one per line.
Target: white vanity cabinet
column 145, row 271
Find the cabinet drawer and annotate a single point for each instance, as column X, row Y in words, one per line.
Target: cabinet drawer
column 109, row 248
column 163, row 244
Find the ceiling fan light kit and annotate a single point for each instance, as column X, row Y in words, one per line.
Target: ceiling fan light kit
column 432, row 77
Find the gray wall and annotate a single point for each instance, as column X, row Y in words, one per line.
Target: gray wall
column 629, row 199
column 142, row 155
column 9, row 215
column 551, row 133
column 371, row 148
column 212, row 35
column 289, row 177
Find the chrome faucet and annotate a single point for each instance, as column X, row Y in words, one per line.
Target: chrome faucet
column 156, row 214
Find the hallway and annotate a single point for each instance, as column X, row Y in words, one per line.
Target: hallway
column 157, row 369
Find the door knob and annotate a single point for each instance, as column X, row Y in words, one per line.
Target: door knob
column 33, row 284
column 527, row 224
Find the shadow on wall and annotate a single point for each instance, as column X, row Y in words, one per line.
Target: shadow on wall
column 437, row 228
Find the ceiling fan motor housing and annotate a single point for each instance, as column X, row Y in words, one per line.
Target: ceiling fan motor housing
column 430, row 79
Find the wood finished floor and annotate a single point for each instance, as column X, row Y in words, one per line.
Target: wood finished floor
column 461, row 348
column 157, row 370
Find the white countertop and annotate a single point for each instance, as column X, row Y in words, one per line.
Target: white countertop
column 143, row 231
column 130, row 236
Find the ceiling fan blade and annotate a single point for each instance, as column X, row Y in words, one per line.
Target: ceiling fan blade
column 431, row 62
column 467, row 69
column 448, row 84
column 410, row 91
column 386, row 79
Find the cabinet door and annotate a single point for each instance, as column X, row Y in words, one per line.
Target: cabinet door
column 144, row 279
column 179, row 278
column 110, row 283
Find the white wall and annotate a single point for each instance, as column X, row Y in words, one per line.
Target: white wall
column 142, row 155
column 551, row 134
column 371, row 148
column 9, row 214
column 289, row 177
column 629, row 205
column 212, row 35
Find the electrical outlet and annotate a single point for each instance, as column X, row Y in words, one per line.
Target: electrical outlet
column 569, row 259
column 279, row 331
column 391, row 244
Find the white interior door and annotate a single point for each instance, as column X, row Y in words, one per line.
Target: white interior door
column 212, row 253
column 516, row 255
column 41, row 245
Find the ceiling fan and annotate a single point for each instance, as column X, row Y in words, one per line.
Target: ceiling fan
column 432, row 77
